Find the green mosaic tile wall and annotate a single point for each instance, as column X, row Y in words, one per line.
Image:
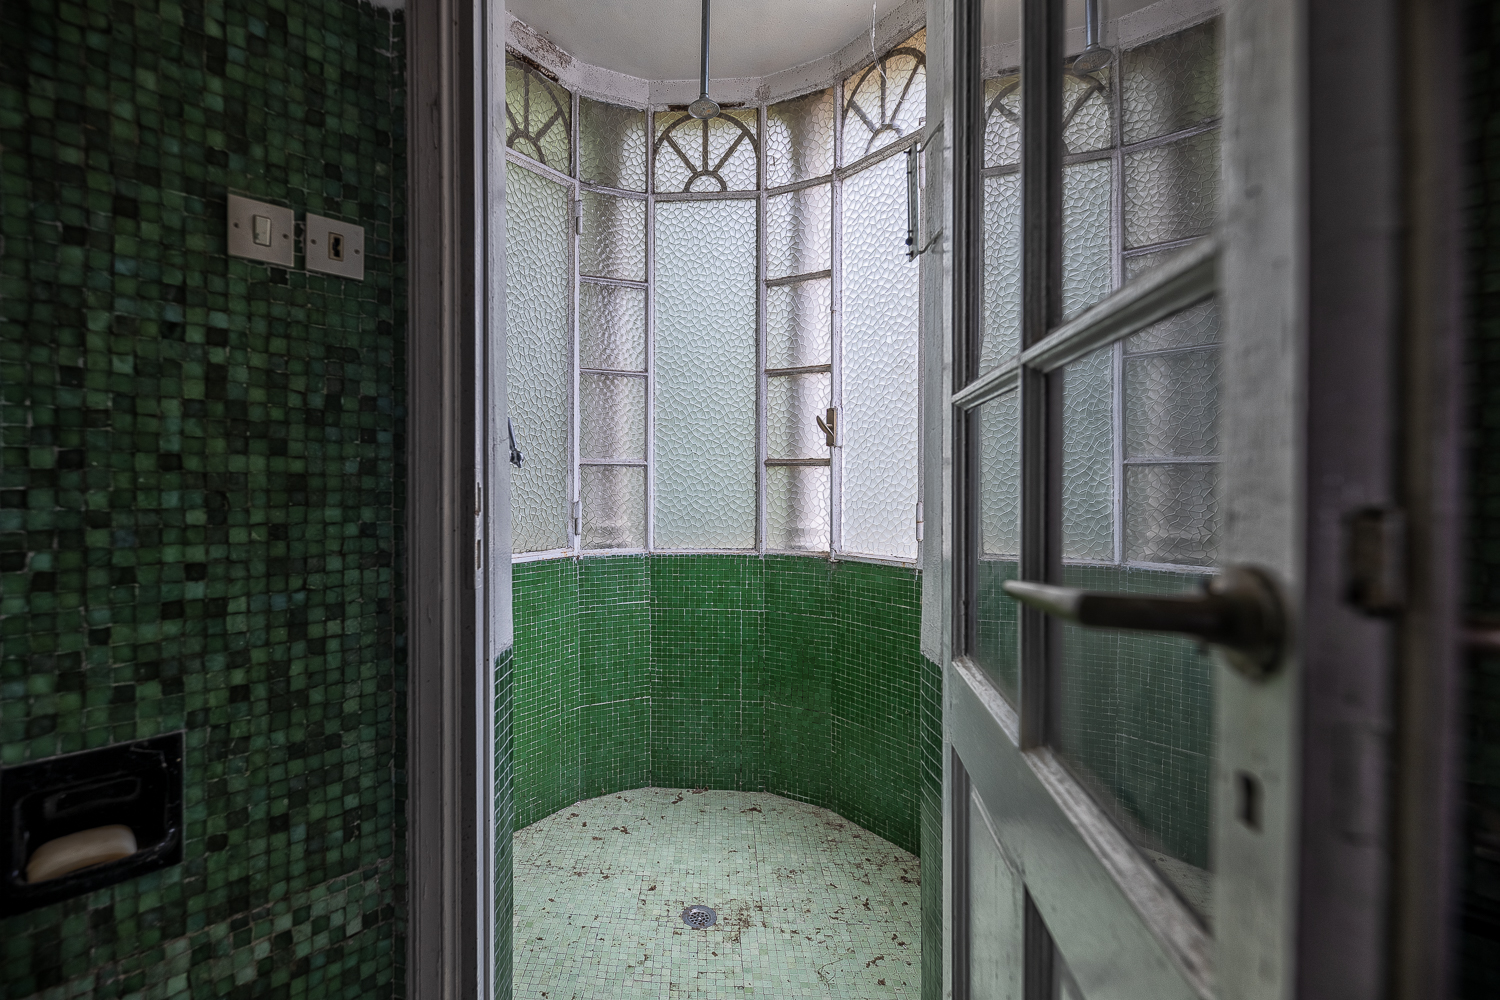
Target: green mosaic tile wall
column 202, row 479
column 1480, row 964
column 786, row 674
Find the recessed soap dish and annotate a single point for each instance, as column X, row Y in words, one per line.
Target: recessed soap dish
column 82, row 821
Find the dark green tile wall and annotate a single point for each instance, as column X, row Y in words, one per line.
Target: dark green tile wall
column 789, row 674
column 1480, row 960
column 202, row 479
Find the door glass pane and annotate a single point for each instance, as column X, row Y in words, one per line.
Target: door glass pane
column 996, row 920
column 1132, row 713
column 994, row 644
column 1170, row 104
column 1000, row 296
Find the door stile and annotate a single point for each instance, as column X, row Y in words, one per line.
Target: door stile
column 1264, row 349
column 1042, row 25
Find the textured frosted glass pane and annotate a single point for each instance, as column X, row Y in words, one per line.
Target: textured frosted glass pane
column 793, row 404
column 611, row 417
column 887, row 99
column 879, row 365
column 1088, row 457
column 1000, row 476
column 1192, row 327
column 613, row 244
column 538, row 117
column 612, row 327
column 1086, row 100
column 798, row 324
column 611, row 145
column 1171, row 83
column 999, row 539
column 1002, row 270
column 1133, row 717
column 996, row 915
column 1086, row 200
column 705, row 375
column 1138, row 264
column 799, row 139
column 614, row 506
column 1172, row 513
column 797, row 507
column 1172, row 404
column 797, row 231
column 1002, row 121
column 717, row 154
column 537, row 376
column 1172, row 191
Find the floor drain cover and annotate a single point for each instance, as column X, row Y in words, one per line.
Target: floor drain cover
column 699, row 917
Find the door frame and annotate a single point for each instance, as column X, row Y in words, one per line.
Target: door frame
column 1363, row 195
column 458, row 600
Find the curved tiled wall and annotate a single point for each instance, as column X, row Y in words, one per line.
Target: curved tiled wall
column 787, row 674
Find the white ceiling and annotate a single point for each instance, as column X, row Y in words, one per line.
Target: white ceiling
column 658, row 39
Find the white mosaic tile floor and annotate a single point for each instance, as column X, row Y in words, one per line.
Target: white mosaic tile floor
column 809, row 904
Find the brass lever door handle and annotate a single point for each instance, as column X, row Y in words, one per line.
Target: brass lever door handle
column 1239, row 612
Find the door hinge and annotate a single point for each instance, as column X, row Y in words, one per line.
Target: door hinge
column 478, row 554
column 919, row 520
column 478, row 499
column 1375, row 560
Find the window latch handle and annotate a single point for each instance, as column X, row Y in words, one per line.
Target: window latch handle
column 1239, row 612
column 516, row 458
column 830, row 427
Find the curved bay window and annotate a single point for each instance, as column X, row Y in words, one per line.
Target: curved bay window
column 726, row 358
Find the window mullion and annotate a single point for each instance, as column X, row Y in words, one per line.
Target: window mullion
column 762, row 386
column 650, row 332
column 836, row 324
column 1041, row 306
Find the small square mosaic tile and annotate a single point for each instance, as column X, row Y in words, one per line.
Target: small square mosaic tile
column 809, row 905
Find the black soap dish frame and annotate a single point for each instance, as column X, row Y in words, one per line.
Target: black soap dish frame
column 138, row 784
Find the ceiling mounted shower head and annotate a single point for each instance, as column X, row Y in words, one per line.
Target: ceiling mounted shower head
column 1095, row 56
column 704, row 107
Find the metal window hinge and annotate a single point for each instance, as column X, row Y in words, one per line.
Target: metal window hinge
column 578, row 517
column 578, row 216
column 829, row 427
column 478, row 499
column 478, row 554
column 1375, row 560
column 919, row 520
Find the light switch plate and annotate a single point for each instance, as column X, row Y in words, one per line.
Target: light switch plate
column 334, row 247
column 261, row 231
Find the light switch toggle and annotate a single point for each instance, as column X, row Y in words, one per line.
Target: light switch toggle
column 262, row 231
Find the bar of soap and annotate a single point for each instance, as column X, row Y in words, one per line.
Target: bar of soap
column 80, row 850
